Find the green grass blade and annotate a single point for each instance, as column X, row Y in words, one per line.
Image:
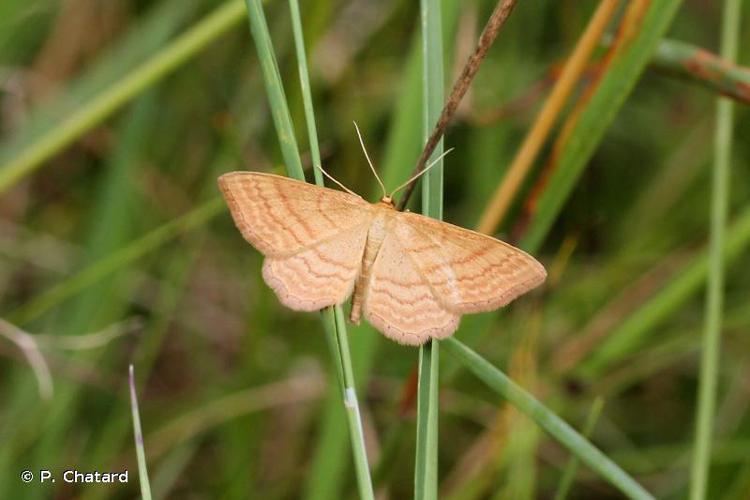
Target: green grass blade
column 312, row 132
column 401, row 150
column 569, row 474
column 116, row 260
column 145, row 38
column 16, row 163
column 274, row 89
column 715, row 294
column 113, row 210
column 180, row 261
column 20, row 25
column 433, row 96
column 630, row 333
column 138, row 435
column 425, row 469
column 545, row 418
column 606, row 100
column 171, row 469
column 334, row 316
column 334, row 321
column 354, row 419
column 331, row 455
column 426, row 456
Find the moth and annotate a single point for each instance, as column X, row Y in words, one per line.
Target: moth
column 412, row 277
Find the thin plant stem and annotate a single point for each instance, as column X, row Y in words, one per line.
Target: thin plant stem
column 29, row 346
column 705, row 68
column 489, row 34
column 715, row 286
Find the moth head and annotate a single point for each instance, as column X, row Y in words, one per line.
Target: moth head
column 387, row 201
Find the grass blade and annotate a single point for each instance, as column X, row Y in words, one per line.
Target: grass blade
column 334, row 316
column 138, row 435
column 117, row 260
column 274, row 89
column 304, row 77
column 15, row 164
column 546, row 419
column 426, row 456
column 715, row 294
column 425, row 468
column 537, row 135
column 354, row 419
column 333, row 319
column 629, row 62
column 569, row 474
column 432, row 102
column 629, row 334
column 402, row 146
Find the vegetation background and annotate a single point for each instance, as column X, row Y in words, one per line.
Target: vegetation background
column 116, row 118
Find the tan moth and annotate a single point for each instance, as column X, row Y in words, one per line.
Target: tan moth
column 411, row 276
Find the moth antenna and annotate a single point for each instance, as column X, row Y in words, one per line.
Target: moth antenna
column 414, row 178
column 362, row 143
column 337, row 182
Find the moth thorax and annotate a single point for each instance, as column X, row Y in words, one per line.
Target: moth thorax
column 375, row 237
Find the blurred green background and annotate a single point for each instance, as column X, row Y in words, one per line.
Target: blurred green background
column 114, row 250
